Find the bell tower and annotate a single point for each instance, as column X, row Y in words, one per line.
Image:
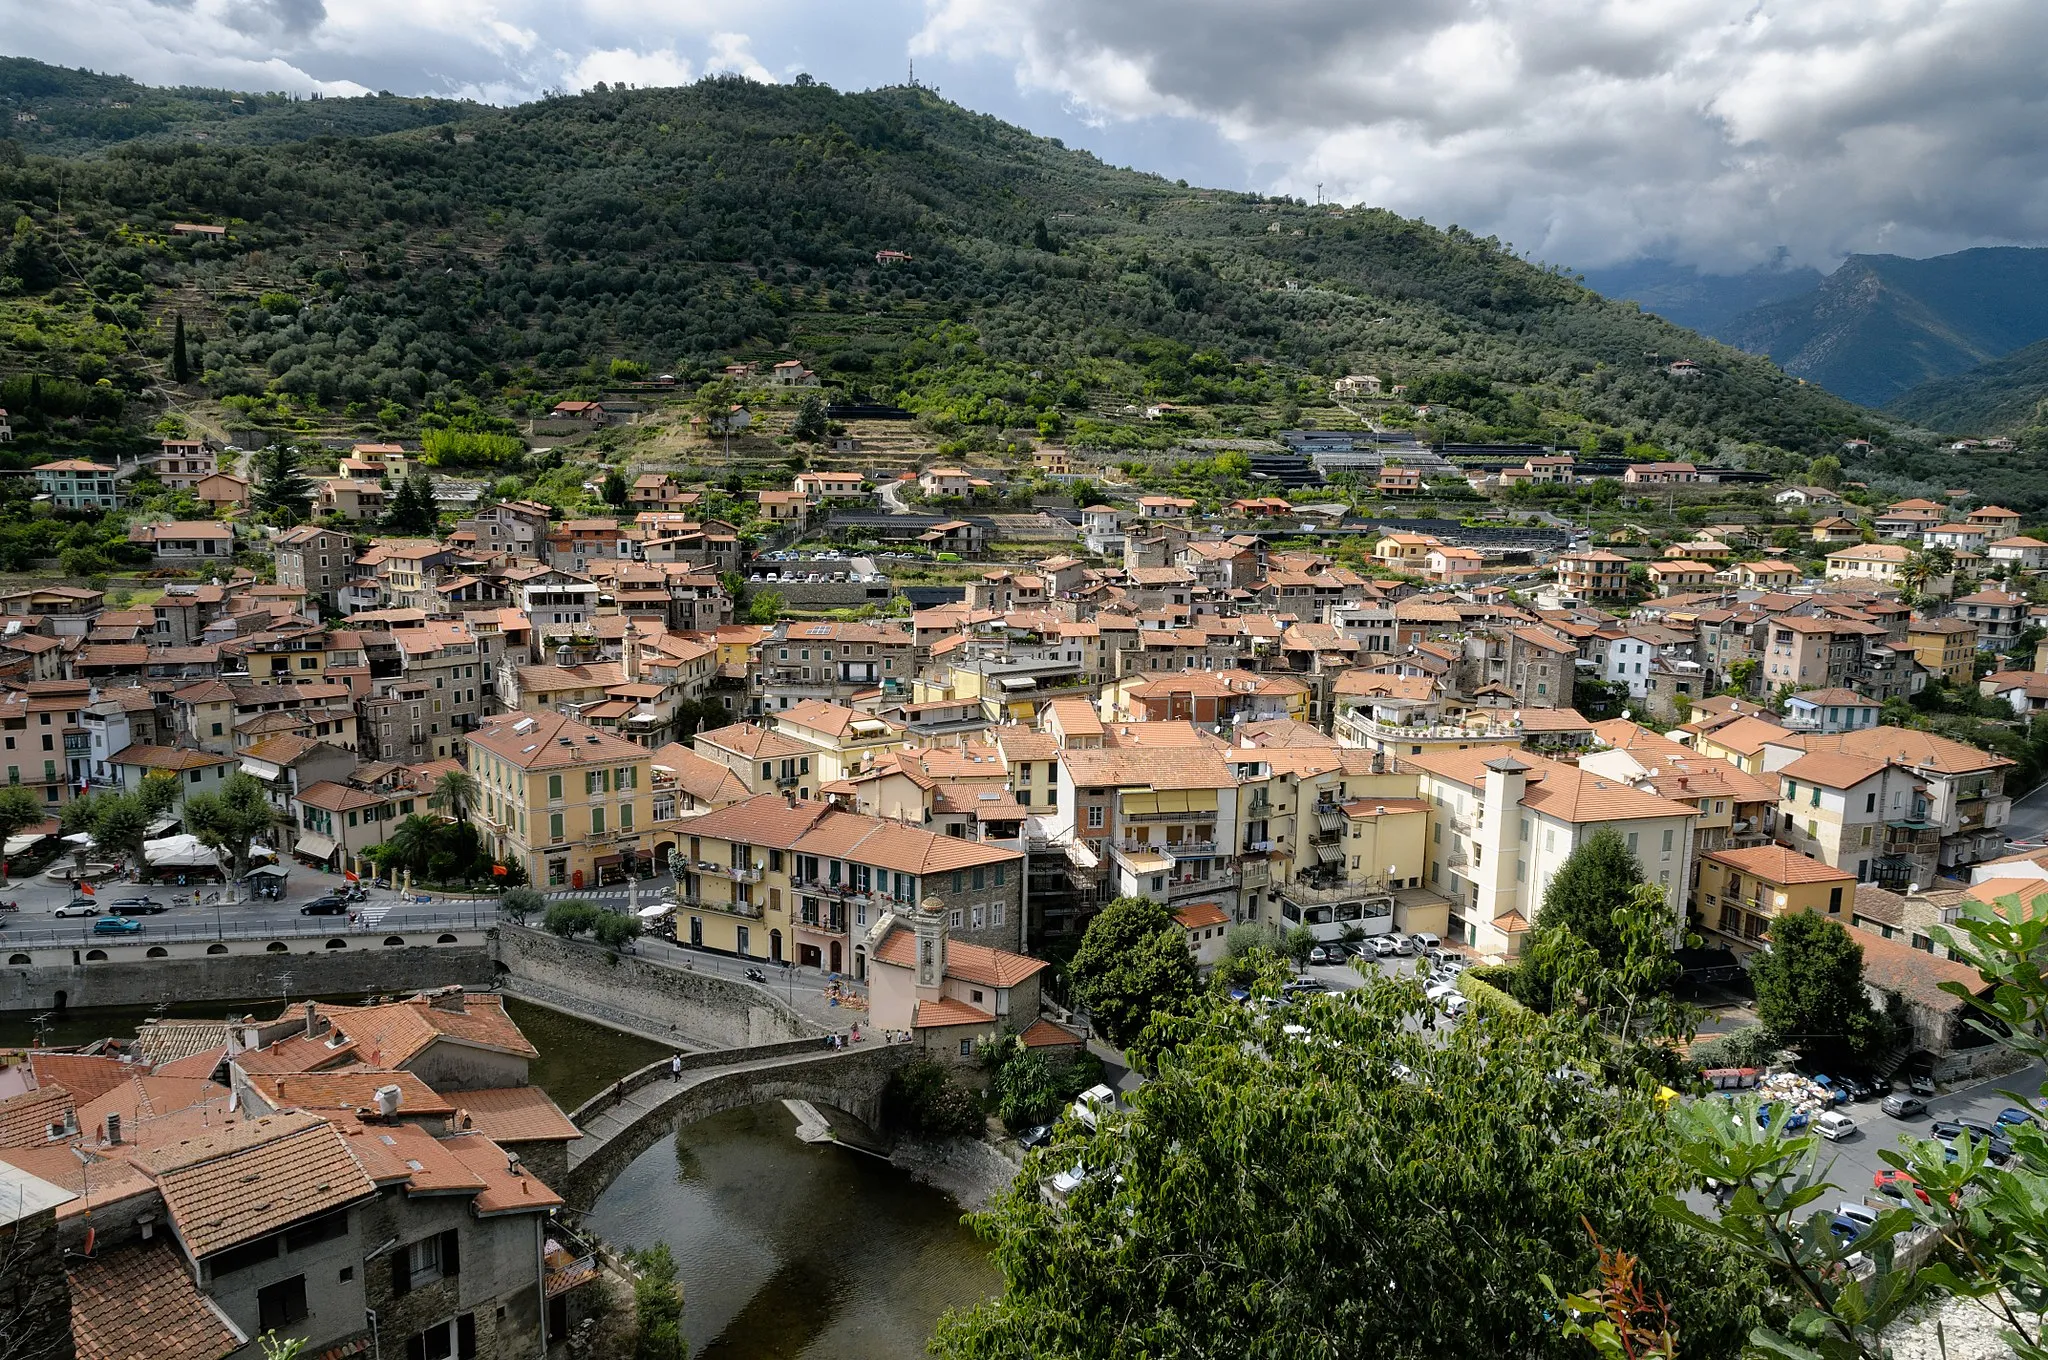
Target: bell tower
column 929, row 923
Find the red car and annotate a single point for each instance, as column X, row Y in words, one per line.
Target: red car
column 1897, row 1183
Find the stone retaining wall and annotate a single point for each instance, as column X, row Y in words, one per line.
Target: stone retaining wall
column 702, row 1010
column 67, row 979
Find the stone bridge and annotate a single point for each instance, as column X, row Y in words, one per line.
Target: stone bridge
column 621, row 1123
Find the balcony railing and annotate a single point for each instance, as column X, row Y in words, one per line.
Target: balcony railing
column 1171, row 849
column 570, row 1262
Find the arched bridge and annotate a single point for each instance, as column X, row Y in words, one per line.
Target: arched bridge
column 624, row 1121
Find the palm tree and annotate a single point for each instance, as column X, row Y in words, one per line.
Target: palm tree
column 456, row 789
column 412, row 842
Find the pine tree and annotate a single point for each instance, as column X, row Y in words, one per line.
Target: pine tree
column 181, row 367
column 412, row 509
column 280, row 487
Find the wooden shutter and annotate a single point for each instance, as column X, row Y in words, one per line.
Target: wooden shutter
column 416, row 1348
column 465, row 1337
column 451, row 1257
column 401, row 1271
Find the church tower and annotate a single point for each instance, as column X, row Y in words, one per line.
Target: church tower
column 929, row 923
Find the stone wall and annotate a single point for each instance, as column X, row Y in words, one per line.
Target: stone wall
column 702, row 1010
column 848, row 1080
column 126, row 976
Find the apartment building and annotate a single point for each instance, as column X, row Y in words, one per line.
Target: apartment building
column 1863, row 816
column 78, row 484
column 785, row 879
column 1946, row 647
column 1743, row 892
column 1504, row 821
column 1593, row 575
column 1962, row 791
column 572, row 805
column 2000, row 616
column 316, row 560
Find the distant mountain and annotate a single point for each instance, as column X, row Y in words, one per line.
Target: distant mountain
column 1685, row 297
column 1882, row 324
column 2003, row 396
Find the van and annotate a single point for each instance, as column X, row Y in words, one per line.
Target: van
column 1835, row 1126
column 1092, row 1103
column 1424, row 941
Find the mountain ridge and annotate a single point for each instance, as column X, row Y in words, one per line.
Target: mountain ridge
column 487, row 263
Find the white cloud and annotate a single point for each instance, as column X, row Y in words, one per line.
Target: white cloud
column 615, row 64
column 733, row 52
column 1585, row 130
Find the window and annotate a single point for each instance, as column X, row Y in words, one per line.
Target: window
column 554, row 828
column 281, row 1304
column 216, row 732
column 980, row 879
column 999, row 875
column 1632, row 842
column 959, row 884
column 454, row 1339
column 554, row 788
column 1667, row 841
column 597, row 821
column 1834, row 901
column 1095, row 818
column 1870, row 802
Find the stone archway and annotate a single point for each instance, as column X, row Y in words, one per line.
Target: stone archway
column 775, row 946
column 860, row 963
column 836, row 956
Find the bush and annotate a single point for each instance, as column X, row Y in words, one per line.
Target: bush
column 1027, row 1086
column 570, row 918
column 924, row 1101
column 615, row 930
column 657, row 1305
column 520, row 903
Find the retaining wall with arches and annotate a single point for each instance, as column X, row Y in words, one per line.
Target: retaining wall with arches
column 140, row 971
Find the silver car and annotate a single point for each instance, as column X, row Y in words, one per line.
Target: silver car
column 1383, row 946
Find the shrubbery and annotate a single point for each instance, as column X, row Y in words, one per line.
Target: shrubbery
column 924, row 1101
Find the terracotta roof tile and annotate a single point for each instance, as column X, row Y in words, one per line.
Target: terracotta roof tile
column 139, row 1301
column 942, row 1012
column 1046, row 1034
column 25, row 1119
column 241, row 1182
column 1779, row 864
column 968, row 962
column 505, row 1191
column 86, row 1076
column 516, row 1114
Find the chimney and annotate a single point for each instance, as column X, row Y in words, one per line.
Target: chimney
column 789, row 797
column 388, row 1099
column 447, row 998
column 114, row 1130
column 312, row 1019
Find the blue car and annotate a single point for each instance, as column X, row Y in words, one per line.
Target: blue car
column 1796, row 1120
column 2013, row 1114
column 117, row 925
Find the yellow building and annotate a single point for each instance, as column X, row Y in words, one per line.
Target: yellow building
column 1742, row 891
column 846, row 741
column 1947, row 647
column 573, row 805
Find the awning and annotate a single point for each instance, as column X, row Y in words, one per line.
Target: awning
column 607, row 861
column 17, row 844
column 179, row 852
column 313, row 845
column 267, row 871
column 657, row 911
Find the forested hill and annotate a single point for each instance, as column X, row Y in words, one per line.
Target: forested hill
column 518, row 251
column 55, row 110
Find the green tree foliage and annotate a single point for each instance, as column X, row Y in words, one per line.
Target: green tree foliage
column 181, row 364
column 615, row 929
column 1596, row 880
column 614, row 488
column 454, row 793
column 450, row 446
column 657, row 1305
column 923, row 1101
column 412, row 509
column 230, row 819
column 1030, row 1086
column 281, row 488
column 810, row 424
column 19, row 810
column 1133, row 964
column 119, row 821
column 1374, row 1192
column 571, row 918
column 1809, row 991
column 520, row 903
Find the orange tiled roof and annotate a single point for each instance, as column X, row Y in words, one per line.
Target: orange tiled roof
column 1779, row 864
column 140, row 1300
column 505, row 1191
column 1045, row 1034
column 240, row 1182
column 968, row 962
column 516, row 1114
column 944, row 1011
column 86, row 1076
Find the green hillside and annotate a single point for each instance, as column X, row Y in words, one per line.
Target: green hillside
column 1881, row 324
column 54, row 110
column 2002, row 397
column 509, row 258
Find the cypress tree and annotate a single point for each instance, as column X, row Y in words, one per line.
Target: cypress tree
column 181, row 367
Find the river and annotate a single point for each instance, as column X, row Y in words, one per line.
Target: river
column 791, row 1250
column 787, row 1249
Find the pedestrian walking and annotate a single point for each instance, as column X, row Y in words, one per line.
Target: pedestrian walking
column 856, row 1033
column 675, row 1068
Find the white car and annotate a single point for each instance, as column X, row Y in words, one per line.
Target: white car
column 1382, row 945
column 79, row 906
column 1835, row 1126
column 1092, row 1103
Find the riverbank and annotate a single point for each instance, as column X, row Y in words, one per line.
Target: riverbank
column 971, row 1170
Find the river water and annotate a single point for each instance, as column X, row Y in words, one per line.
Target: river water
column 791, row 1250
column 787, row 1250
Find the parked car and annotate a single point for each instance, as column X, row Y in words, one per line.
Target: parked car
column 1303, row 986
column 1424, row 942
column 329, row 905
column 1902, row 1106
column 136, row 906
column 2012, row 1116
column 1897, row 1185
column 1404, row 947
column 1859, row 1088
column 117, row 925
column 1835, row 1127
column 1038, row 1135
column 1846, row 1228
column 1092, row 1103
column 1327, row 954
column 1920, row 1083
column 1857, row 1210
column 1382, row 946
column 79, row 906
column 1795, row 1120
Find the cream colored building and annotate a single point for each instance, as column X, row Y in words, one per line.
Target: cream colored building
column 573, row 805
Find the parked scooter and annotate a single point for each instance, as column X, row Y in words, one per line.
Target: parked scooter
column 756, row 975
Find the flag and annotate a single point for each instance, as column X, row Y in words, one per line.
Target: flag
column 498, row 870
column 348, row 877
column 87, row 889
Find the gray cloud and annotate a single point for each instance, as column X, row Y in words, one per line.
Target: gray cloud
column 1587, row 130
column 275, row 18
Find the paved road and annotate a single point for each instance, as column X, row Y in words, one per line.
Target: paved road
column 2029, row 820
column 1851, row 1164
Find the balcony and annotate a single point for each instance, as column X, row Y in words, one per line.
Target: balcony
column 1170, row 849
column 570, row 1262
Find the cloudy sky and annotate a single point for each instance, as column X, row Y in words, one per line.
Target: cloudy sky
column 1587, row 132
